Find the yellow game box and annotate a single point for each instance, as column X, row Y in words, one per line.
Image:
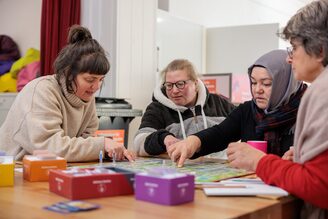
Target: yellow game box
column 7, row 170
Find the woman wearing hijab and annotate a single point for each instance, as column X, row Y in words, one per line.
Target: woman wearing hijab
column 305, row 175
column 270, row 115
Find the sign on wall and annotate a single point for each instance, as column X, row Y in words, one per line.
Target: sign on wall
column 218, row 83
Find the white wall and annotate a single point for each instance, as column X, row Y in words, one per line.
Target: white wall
column 136, row 54
column 100, row 18
column 21, row 20
column 234, row 49
column 225, row 13
column 127, row 30
column 177, row 38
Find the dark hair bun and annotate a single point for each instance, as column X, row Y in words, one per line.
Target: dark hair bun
column 78, row 33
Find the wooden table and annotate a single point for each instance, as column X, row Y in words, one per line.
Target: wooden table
column 26, row 199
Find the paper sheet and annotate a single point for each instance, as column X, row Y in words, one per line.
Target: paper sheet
column 252, row 187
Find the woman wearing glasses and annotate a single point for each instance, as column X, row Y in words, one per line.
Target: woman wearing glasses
column 306, row 175
column 181, row 106
column 269, row 116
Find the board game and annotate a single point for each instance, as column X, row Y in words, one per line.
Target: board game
column 205, row 170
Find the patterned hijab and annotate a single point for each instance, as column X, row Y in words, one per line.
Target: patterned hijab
column 280, row 115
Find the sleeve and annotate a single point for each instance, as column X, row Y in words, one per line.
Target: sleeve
column 42, row 129
column 149, row 139
column 218, row 137
column 308, row 181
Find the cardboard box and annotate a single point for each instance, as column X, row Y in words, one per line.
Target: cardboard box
column 36, row 169
column 115, row 134
column 84, row 183
column 7, row 170
column 167, row 189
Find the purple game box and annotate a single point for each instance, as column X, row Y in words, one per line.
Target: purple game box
column 167, row 189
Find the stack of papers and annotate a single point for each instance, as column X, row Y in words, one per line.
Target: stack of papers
column 241, row 187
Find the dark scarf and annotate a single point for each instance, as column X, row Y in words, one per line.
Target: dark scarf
column 270, row 127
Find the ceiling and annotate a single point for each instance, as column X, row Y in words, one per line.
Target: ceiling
column 217, row 13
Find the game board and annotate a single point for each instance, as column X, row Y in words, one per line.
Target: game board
column 204, row 170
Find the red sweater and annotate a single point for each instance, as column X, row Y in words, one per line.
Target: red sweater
column 308, row 181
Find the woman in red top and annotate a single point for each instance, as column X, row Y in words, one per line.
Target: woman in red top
column 302, row 170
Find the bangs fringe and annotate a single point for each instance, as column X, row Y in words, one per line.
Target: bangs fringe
column 95, row 63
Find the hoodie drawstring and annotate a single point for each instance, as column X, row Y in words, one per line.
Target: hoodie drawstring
column 204, row 118
column 182, row 125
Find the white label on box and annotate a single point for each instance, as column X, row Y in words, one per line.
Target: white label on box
column 6, row 159
column 153, row 185
column 59, row 183
column 181, row 185
column 34, row 158
column 49, row 167
column 102, row 181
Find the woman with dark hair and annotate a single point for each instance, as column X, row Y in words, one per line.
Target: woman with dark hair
column 58, row 112
column 303, row 173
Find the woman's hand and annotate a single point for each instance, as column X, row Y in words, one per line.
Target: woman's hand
column 184, row 149
column 242, row 155
column 117, row 150
column 170, row 140
column 289, row 155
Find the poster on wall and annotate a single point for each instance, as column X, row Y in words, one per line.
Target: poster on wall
column 240, row 88
column 218, row 83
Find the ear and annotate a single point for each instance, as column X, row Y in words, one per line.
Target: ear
column 196, row 85
column 321, row 55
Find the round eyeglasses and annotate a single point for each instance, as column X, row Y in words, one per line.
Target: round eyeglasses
column 290, row 51
column 179, row 84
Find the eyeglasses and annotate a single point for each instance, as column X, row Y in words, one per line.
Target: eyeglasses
column 179, row 84
column 290, row 51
